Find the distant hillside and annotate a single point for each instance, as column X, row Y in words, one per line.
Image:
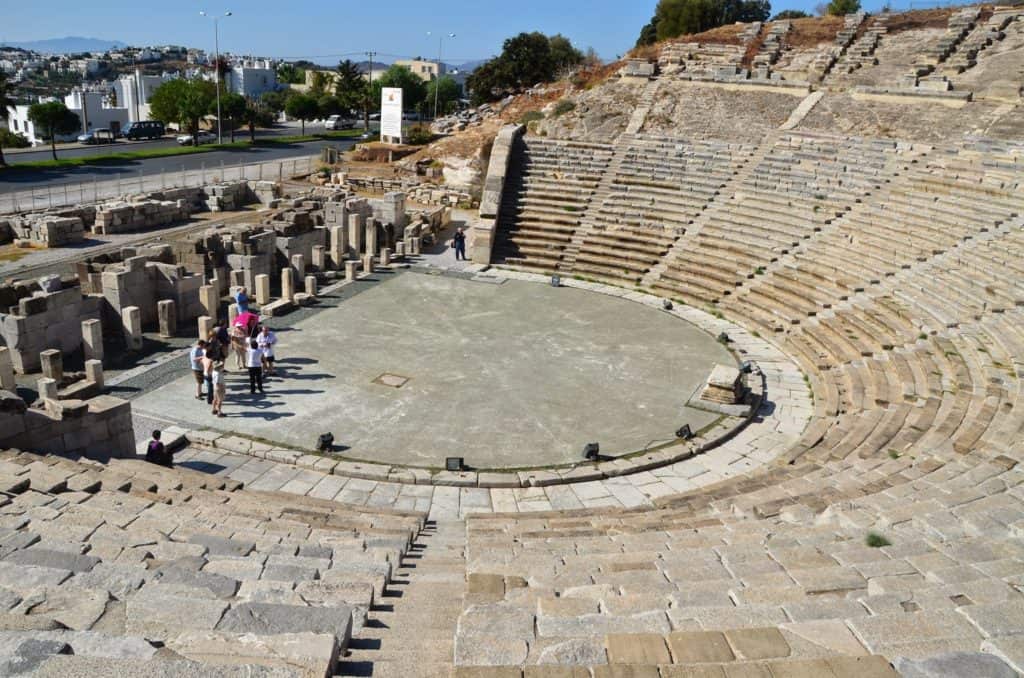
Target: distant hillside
column 68, row 45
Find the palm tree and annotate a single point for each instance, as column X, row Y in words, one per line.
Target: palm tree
column 6, row 90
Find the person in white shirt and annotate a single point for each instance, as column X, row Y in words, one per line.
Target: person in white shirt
column 195, row 359
column 220, row 387
column 254, row 361
column 267, row 340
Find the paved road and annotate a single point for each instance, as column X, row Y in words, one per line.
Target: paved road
column 130, row 169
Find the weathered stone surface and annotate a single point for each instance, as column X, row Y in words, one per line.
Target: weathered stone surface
column 484, row 649
column 221, row 546
column 269, row 618
column 955, row 665
column 56, row 560
column 163, row 616
column 64, row 666
column 222, row 587
column 576, row 652
column 18, row 577
column 636, row 648
column 311, row 654
column 763, row 643
column 82, row 643
column 496, row 620
column 692, row 647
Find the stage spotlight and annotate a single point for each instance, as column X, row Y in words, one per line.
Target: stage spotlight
column 684, row 432
column 666, row 304
column 454, row 463
column 591, row 451
column 556, row 281
column 325, row 442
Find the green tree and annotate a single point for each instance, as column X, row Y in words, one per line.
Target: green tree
column 319, row 82
column 353, row 90
column 673, row 18
column 446, row 91
column 329, row 105
column 841, row 7
column 790, row 14
column 414, row 90
column 6, row 99
column 563, row 55
column 525, row 60
column 273, row 101
column 648, row 34
column 290, row 74
column 185, row 102
column 53, row 118
column 232, row 110
column 302, row 107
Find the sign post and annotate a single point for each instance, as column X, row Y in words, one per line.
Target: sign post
column 391, row 115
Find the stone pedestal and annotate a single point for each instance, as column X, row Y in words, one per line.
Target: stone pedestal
column 92, row 339
column 262, row 289
column 94, row 372
column 416, row 246
column 208, row 299
column 205, row 326
column 356, row 228
column 232, row 314
column 339, row 246
column 385, row 257
column 319, row 258
column 724, row 385
column 368, row 263
column 371, row 236
column 351, row 269
column 47, row 388
column 52, row 362
column 311, row 285
column 237, row 278
column 167, row 315
column 131, row 319
column 7, row 382
column 288, row 283
column 399, row 250
column 299, row 265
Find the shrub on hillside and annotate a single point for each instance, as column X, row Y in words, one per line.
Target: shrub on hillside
column 563, row 107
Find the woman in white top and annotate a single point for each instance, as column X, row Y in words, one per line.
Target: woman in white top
column 266, row 340
column 195, row 360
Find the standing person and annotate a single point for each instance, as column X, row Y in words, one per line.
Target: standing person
column 195, row 358
column 254, row 361
column 224, row 337
column 242, row 301
column 459, row 241
column 220, row 388
column 239, row 339
column 156, row 453
column 209, row 358
column 267, row 339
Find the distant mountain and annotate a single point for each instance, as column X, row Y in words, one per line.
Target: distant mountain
column 68, row 45
column 470, row 66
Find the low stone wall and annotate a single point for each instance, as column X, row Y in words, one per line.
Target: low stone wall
column 100, row 427
column 119, row 217
column 482, row 237
column 46, row 320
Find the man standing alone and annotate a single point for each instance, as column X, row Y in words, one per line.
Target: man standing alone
column 459, row 241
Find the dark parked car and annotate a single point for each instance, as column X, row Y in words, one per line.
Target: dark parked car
column 144, row 129
column 97, row 136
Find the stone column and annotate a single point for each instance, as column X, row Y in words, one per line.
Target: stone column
column 356, row 226
column 416, row 246
column 131, row 319
column 208, row 299
column 52, row 362
column 408, row 246
column 7, row 382
column 351, row 268
column 368, row 262
column 167, row 315
column 47, row 388
column 311, row 285
column 385, row 257
column 339, row 246
column 371, row 236
column 92, row 339
column 299, row 265
column 399, row 250
column 94, row 372
column 232, row 314
column 319, row 262
column 237, row 278
column 205, row 326
column 288, row 283
column 262, row 289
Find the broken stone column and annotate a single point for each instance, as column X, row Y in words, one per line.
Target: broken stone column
column 351, row 269
column 371, row 236
column 52, row 362
column 399, row 250
column 237, row 278
column 311, row 285
column 288, row 283
column 262, row 289
column 167, row 315
column 94, row 372
column 131, row 319
column 299, row 265
column 319, row 258
column 339, row 246
column 208, row 299
column 7, row 382
column 416, row 246
column 408, row 245
column 47, row 388
column 368, row 262
column 356, row 228
column 205, row 326
column 92, row 339
column 385, row 257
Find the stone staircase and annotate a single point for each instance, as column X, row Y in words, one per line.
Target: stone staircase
column 643, row 107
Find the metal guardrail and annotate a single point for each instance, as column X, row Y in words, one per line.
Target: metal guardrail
column 128, row 183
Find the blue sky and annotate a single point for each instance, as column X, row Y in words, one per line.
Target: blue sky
column 303, row 28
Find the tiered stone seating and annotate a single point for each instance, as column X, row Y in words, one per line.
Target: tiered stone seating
column 984, row 34
column 659, row 186
column 802, row 185
column 103, row 565
column 540, row 215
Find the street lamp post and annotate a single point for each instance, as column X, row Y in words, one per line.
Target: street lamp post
column 216, row 62
column 437, row 81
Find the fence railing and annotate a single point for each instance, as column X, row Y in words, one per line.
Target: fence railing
column 128, row 183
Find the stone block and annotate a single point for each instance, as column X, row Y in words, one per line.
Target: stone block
column 287, row 283
column 310, row 286
column 696, row 647
column 399, row 250
column 758, row 643
column 955, row 664
column 94, row 372
column 52, row 362
column 339, row 246
column 385, row 257
column 298, row 263
column 209, row 299
column 312, row 654
column 232, row 314
column 206, row 325
column 167, row 316
column 368, row 263
column 319, row 258
column 7, row 382
column 92, row 339
column 262, row 289
column 47, row 388
column 356, row 228
column 131, row 321
column 636, row 648
column 351, row 270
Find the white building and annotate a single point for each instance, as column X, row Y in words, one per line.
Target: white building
column 133, row 92
column 251, row 77
column 92, row 109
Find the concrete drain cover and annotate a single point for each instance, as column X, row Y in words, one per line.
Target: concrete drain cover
column 392, row 380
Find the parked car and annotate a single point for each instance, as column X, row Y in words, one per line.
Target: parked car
column 203, row 137
column 410, row 115
column 97, row 136
column 337, row 122
column 144, row 129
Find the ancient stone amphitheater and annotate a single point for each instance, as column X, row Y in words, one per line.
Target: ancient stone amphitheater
column 867, row 522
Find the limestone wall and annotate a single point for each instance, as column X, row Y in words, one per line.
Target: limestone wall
column 46, row 320
column 99, row 427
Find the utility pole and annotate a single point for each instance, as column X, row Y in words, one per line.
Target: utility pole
column 216, row 63
column 369, row 101
column 437, row 79
column 371, row 55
